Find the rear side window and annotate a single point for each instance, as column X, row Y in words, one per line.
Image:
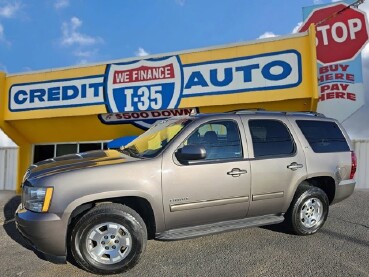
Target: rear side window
column 271, row 138
column 323, row 136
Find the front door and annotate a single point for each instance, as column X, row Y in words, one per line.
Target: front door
column 210, row 190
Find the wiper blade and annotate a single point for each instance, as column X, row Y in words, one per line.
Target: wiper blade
column 130, row 152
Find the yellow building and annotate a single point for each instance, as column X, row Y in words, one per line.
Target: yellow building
column 69, row 110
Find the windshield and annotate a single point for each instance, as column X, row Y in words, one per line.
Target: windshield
column 153, row 141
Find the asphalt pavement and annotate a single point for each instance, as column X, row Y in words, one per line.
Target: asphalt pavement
column 340, row 248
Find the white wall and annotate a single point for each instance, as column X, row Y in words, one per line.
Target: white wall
column 362, row 154
column 5, row 141
column 8, row 168
column 8, row 163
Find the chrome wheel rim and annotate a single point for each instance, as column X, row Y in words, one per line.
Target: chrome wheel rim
column 311, row 212
column 109, row 243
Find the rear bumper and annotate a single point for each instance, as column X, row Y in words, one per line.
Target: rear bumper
column 45, row 232
column 343, row 190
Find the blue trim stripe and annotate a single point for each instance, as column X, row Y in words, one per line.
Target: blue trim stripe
column 247, row 58
column 58, row 80
column 57, row 107
column 338, row 82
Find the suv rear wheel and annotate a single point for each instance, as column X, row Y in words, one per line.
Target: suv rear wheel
column 308, row 211
column 108, row 239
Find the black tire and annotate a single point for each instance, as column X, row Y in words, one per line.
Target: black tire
column 308, row 210
column 128, row 224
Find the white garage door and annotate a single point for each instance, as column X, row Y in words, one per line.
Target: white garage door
column 8, row 168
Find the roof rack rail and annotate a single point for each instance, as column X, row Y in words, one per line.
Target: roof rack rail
column 263, row 111
column 308, row 113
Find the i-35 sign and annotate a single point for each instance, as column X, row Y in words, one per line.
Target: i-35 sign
column 341, row 36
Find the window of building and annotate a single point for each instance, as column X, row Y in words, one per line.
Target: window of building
column 47, row 151
column 43, row 152
column 271, row 138
column 84, row 147
column 65, row 149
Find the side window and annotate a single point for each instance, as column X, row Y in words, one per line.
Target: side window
column 221, row 140
column 270, row 138
column 323, row 136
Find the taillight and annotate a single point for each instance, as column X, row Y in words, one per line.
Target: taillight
column 353, row 165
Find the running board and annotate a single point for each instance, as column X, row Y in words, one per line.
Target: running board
column 219, row 227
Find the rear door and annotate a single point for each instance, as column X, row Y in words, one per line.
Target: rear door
column 277, row 164
column 210, row 190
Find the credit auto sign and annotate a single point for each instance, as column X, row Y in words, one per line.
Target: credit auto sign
column 160, row 84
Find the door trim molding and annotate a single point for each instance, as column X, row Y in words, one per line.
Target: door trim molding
column 208, row 203
column 265, row 196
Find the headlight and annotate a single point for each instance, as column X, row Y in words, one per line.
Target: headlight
column 37, row 199
column 26, row 175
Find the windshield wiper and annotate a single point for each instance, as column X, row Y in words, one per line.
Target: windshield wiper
column 130, row 152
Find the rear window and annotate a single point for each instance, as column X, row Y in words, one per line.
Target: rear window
column 323, row 136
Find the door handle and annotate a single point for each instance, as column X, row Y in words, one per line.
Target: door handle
column 294, row 166
column 236, row 172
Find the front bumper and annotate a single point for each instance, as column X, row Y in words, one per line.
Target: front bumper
column 45, row 232
column 343, row 190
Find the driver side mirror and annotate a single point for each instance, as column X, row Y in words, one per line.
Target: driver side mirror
column 191, row 153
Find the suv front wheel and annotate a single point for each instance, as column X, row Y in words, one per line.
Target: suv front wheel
column 108, row 239
column 308, row 211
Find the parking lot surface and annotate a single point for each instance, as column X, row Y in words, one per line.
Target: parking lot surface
column 340, row 248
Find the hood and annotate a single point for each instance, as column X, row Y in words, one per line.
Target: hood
column 75, row 161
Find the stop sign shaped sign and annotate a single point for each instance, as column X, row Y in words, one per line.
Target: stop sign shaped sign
column 342, row 36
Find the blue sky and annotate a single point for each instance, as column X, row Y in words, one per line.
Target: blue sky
column 43, row 34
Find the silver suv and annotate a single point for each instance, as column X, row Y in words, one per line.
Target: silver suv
column 184, row 178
